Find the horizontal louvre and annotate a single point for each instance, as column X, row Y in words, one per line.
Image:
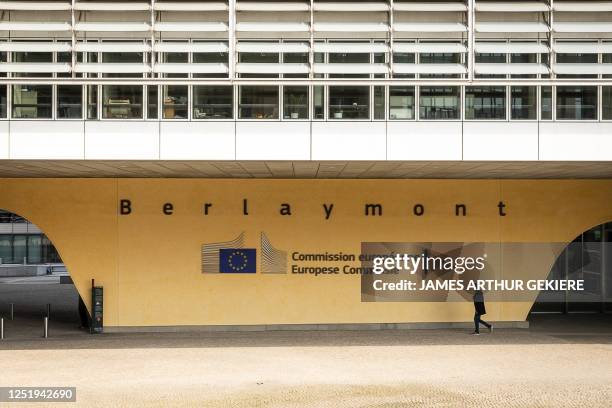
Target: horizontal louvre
column 511, row 7
column 35, row 67
column 352, row 27
column 348, row 48
column 511, row 27
column 191, row 47
column 112, row 6
column 583, row 48
column 244, row 68
column 563, row 27
column 429, row 47
column 582, row 6
column 112, row 27
column 170, row 68
column 36, row 46
column 112, row 68
column 582, row 69
column 429, row 69
column 191, row 6
column 272, row 6
column 272, row 27
column 112, row 47
column 511, row 48
column 351, row 69
column 350, row 6
column 23, row 26
column 258, row 47
column 429, row 6
column 191, row 27
column 430, row 27
column 35, row 5
column 511, row 69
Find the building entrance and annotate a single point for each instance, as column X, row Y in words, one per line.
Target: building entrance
column 34, row 282
column 587, row 257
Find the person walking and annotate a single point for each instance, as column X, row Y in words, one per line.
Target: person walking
column 479, row 310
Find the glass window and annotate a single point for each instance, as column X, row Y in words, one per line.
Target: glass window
column 34, row 58
column 490, row 58
column 66, row 57
column 92, row 102
column 576, row 59
column 349, row 58
column 152, row 101
column 213, row 102
column 546, row 101
column 349, row 102
column 606, row 100
column 379, row 58
column 295, row 58
column 210, row 58
column 123, row 58
column 175, row 58
column 32, row 101
column 3, row 101
column 258, row 102
column 259, row 58
column 439, row 102
column 6, row 248
column 295, row 102
column 3, row 58
column 175, row 102
column 439, row 58
column 20, row 249
column 523, row 59
column 122, row 102
column 319, row 58
column 319, row 101
column 49, row 253
column 606, row 59
column 576, row 103
column 523, row 103
column 485, row 102
column 69, row 102
column 403, row 58
column 401, row 102
column 379, row 103
column 34, row 246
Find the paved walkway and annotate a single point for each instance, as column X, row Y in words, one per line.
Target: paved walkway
column 557, row 363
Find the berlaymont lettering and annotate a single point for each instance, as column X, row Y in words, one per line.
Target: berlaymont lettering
column 369, row 209
column 164, row 261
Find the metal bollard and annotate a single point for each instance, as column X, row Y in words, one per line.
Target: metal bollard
column 1, row 328
column 12, row 311
column 46, row 327
column 49, row 311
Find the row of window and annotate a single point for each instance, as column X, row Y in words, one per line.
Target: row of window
column 33, row 248
column 295, row 102
column 267, row 57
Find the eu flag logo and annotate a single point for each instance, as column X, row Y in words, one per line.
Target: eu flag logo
column 237, row 260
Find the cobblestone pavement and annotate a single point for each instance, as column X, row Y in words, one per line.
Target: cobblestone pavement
column 556, row 364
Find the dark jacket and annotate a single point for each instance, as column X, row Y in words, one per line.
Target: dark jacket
column 479, row 305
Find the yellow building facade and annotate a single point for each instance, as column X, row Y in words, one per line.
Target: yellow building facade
column 145, row 240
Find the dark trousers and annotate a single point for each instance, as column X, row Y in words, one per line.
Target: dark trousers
column 478, row 321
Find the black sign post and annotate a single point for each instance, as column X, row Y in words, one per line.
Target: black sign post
column 97, row 309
